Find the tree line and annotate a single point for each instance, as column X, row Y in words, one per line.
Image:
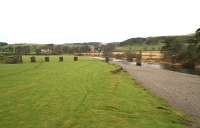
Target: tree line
column 39, row 49
column 183, row 50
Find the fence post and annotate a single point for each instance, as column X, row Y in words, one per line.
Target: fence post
column 107, row 59
column 75, row 58
column 33, row 59
column 46, row 59
column 139, row 58
column 61, row 59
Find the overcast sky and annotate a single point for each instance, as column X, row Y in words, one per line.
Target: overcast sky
column 62, row 21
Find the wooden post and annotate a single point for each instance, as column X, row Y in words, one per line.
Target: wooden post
column 33, row 59
column 139, row 58
column 46, row 59
column 61, row 59
column 107, row 59
column 20, row 59
column 75, row 58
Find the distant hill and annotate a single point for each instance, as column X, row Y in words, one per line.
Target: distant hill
column 154, row 40
column 132, row 41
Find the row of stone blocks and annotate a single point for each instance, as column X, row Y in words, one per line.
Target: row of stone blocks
column 47, row 58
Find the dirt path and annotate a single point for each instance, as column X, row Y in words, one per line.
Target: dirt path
column 180, row 90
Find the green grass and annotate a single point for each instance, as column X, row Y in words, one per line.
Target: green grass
column 83, row 94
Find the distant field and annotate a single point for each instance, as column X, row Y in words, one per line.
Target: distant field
column 83, row 94
column 144, row 47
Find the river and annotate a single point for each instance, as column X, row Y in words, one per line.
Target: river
column 162, row 66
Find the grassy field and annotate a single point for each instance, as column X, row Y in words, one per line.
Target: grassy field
column 83, row 94
column 145, row 47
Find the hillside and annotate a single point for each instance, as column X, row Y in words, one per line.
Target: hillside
column 154, row 40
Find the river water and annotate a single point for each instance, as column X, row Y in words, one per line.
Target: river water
column 162, row 66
